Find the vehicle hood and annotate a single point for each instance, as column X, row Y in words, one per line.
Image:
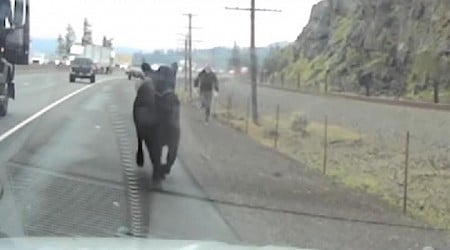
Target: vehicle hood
column 121, row 243
column 87, row 66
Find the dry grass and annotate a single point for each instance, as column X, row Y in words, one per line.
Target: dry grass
column 361, row 162
column 182, row 95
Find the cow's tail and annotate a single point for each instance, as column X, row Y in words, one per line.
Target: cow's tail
column 140, row 154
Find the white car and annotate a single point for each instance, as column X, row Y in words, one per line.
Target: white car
column 38, row 59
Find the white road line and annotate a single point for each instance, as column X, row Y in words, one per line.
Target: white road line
column 45, row 110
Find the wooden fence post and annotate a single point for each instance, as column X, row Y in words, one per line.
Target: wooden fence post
column 405, row 184
column 276, row 126
column 325, row 146
column 229, row 109
column 247, row 115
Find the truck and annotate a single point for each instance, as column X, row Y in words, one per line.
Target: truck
column 103, row 57
column 123, row 60
column 14, row 50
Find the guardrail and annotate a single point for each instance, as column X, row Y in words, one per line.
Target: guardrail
column 40, row 67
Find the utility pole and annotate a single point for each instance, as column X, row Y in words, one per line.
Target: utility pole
column 190, row 54
column 189, row 49
column 185, row 63
column 253, row 59
column 185, row 41
column 253, row 64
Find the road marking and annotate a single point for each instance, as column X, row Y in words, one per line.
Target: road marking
column 45, row 110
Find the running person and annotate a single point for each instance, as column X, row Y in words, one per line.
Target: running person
column 207, row 83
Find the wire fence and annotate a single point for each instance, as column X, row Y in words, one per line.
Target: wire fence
column 407, row 171
column 294, row 83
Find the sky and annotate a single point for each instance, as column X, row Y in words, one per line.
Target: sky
column 160, row 24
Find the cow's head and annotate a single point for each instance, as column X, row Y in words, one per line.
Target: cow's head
column 163, row 77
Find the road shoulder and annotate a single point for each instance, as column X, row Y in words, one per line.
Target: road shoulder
column 260, row 191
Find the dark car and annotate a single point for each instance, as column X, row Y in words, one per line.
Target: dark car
column 82, row 68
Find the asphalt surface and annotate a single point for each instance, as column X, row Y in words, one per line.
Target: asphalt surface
column 271, row 199
column 63, row 173
column 70, row 172
column 380, row 121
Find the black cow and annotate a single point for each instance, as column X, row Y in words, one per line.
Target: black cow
column 156, row 114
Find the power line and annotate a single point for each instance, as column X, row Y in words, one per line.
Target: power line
column 185, row 41
column 193, row 28
column 253, row 59
column 189, row 49
column 249, row 9
column 193, row 41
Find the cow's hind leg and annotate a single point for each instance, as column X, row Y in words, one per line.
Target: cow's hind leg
column 155, row 155
column 173, row 149
column 172, row 155
column 173, row 136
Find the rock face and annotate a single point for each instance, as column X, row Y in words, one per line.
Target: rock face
column 393, row 47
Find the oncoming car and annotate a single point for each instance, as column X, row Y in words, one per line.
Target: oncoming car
column 82, row 68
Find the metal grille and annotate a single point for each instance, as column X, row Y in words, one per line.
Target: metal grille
column 136, row 218
column 64, row 206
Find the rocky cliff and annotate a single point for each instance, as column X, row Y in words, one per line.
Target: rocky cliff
column 394, row 47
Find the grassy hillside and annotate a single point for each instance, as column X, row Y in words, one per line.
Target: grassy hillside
column 392, row 47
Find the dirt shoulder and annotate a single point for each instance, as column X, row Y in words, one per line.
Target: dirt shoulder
column 368, row 148
column 270, row 199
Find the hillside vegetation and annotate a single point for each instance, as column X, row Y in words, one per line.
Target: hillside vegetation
column 218, row 57
column 385, row 47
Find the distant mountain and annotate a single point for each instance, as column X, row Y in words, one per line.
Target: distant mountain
column 279, row 44
column 219, row 57
column 48, row 46
column 43, row 45
column 125, row 50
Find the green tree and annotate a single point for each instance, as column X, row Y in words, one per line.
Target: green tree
column 235, row 59
column 275, row 61
column 70, row 38
column 107, row 42
column 87, row 33
column 434, row 66
column 61, row 50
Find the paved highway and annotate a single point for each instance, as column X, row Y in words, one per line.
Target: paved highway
column 62, row 171
column 379, row 121
column 67, row 166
